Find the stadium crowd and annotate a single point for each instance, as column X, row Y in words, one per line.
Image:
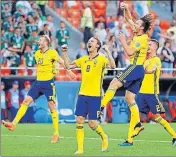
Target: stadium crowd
column 23, row 22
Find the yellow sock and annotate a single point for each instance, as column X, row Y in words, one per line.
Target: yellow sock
column 22, row 110
column 166, row 126
column 55, row 119
column 80, row 136
column 135, row 118
column 99, row 130
column 130, row 131
column 107, row 97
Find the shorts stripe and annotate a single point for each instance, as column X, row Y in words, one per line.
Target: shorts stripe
column 136, row 57
column 126, row 73
column 157, row 99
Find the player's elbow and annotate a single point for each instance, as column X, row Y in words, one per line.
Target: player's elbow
column 131, row 51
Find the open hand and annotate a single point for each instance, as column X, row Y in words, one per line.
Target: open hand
column 121, row 37
column 123, row 5
column 64, row 48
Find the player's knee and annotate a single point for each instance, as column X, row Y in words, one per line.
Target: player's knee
column 115, row 84
column 92, row 123
column 52, row 105
column 156, row 116
column 28, row 100
column 80, row 120
column 130, row 99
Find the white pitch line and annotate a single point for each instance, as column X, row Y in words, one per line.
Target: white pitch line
column 91, row 138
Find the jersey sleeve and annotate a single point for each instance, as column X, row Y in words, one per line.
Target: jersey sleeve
column 55, row 55
column 158, row 62
column 78, row 62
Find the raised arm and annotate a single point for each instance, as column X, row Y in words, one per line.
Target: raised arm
column 70, row 73
column 127, row 16
column 129, row 50
column 111, row 63
column 67, row 62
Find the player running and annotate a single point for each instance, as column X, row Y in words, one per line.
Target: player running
column 133, row 75
column 147, row 99
column 46, row 59
column 89, row 98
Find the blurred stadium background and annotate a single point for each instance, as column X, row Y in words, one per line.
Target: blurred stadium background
column 22, row 23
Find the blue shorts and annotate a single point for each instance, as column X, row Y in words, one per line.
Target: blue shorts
column 43, row 87
column 148, row 102
column 88, row 105
column 132, row 77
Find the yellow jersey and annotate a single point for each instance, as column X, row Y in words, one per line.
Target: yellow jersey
column 140, row 43
column 92, row 71
column 150, row 83
column 46, row 64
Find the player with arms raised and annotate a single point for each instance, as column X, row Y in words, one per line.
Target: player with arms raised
column 133, row 75
column 46, row 59
column 147, row 99
column 89, row 99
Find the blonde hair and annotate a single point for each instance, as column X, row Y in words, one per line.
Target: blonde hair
column 47, row 39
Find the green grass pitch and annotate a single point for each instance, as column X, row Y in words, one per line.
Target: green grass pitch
column 34, row 140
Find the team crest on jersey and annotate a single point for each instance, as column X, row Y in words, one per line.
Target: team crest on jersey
column 40, row 61
column 137, row 44
column 95, row 62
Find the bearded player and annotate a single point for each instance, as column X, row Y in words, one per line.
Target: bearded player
column 89, row 98
column 131, row 78
column 46, row 59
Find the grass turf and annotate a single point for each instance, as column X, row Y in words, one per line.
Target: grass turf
column 34, row 140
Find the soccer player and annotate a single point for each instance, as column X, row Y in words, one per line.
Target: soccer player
column 147, row 99
column 89, row 98
column 133, row 75
column 46, row 59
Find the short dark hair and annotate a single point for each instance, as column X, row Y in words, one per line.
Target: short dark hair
column 45, row 24
column 172, row 32
column 110, row 38
column 62, row 22
column 167, row 41
column 156, row 42
column 147, row 22
column 17, row 28
column 99, row 43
